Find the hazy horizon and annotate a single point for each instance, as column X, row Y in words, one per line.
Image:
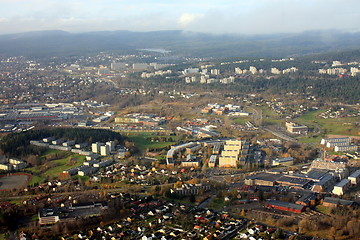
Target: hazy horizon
column 211, row 16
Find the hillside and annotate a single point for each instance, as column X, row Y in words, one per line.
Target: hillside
column 54, row 43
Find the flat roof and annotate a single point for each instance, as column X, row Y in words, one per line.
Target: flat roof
column 286, row 204
column 316, row 173
column 293, row 180
column 265, row 176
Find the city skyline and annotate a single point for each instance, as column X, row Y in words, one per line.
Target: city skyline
column 218, row 17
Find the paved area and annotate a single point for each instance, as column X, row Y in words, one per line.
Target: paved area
column 13, row 181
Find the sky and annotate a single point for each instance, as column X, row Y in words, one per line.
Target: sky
column 209, row 16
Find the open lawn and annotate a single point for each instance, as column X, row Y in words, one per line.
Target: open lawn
column 150, row 141
column 336, row 126
column 36, row 180
column 54, row 168
column 241, row 120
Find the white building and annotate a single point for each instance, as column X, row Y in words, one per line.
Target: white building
column 104, row 150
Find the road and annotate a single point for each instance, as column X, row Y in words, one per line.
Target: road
column 280, row 135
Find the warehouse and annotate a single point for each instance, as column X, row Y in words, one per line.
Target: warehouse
column 262, row 179
column 285, row 206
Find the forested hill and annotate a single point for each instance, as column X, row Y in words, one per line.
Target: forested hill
column 53, row 43
column 17, row 144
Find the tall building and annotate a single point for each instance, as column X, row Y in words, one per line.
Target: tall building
column 275, row 71
column 253, row 70
column 104, row 150
column 95, row 147
column 215, row 72
column 230, row 155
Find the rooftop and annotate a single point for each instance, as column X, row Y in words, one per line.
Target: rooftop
column 342, row 183
column 265, row 176
column 285, row 204
column 338, row 201
column 355, row 174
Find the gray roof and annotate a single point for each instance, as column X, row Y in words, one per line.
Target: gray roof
column 338, row 201
column 316, row 173
column 286, row 204
column 342, row 183
column 307, row 198
column 265, row 176
column 327, row 177
column 293, row 180
column 355, row 174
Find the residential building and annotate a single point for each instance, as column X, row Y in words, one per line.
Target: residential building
column 104, row 150
column 230, row 155
column 212, row 161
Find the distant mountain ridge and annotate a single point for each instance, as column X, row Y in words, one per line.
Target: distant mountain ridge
column 57, row 43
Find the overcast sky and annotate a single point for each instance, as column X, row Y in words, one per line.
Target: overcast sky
column 213, row 16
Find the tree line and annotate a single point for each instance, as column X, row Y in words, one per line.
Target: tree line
column 18, row 144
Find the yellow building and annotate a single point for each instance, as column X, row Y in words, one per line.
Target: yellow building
column 230, row 155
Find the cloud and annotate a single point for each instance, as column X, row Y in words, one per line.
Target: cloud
column 213, row 16
column 187, row 18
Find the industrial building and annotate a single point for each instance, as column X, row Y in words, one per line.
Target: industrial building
column 283, row 161
column 285, row 206
column 341, row 187
column 262, row 179
column 335, row 202
column 355, row 177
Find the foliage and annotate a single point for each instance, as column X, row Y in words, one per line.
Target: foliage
column 18, row 144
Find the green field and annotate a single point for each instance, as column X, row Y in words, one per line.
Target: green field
column 53, row 168
column 143, row 143
column 241, row 120
column 335, row 126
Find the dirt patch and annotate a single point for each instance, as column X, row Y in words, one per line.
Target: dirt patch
column 9, row 182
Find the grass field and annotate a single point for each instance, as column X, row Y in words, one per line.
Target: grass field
column 54, row 168
column 336, row 126
column 241, row 120
column 142, row 142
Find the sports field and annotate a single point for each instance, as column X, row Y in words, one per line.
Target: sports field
column 13, row 181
